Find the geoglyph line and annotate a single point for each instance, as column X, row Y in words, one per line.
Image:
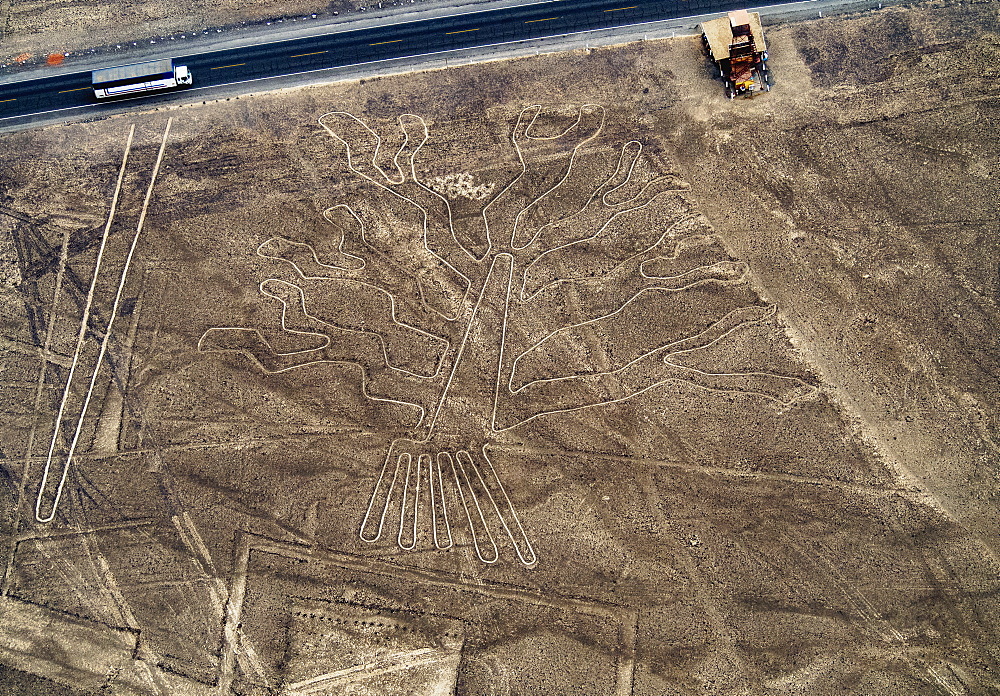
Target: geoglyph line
column 81, row 337
column 391, row 298
column 668, row 233
column 527, row 555
column 372, row 538
column 396, row 662
column 107, row 334
column 416, row 503
column 402, row 180
column 327, row 339
column 622, row 619
column 402, row 177
column 494, row 555
column 484, row 542
column 315, row 350
column 667, row 354
column 440, row 503
column 660, row 349
column 569, row 167
column 340, row 250
column 365, row 387
column 507, row 258
column 805, row 389
column 621, row 177
column 479, row 509
column 231, row 629
column 39, row 391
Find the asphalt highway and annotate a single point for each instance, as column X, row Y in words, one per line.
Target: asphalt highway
column 345, row 48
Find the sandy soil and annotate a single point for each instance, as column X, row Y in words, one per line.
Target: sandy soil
column 562, row 375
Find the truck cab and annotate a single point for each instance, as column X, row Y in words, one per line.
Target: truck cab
column 183, row 75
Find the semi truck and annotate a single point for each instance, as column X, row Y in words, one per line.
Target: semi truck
column 735, row 44
column 130, row 80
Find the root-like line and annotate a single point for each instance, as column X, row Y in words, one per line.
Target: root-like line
column 443, row 506
column 104, row 342
column 388, row 498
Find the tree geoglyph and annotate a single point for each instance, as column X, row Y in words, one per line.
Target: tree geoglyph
column 476, row 325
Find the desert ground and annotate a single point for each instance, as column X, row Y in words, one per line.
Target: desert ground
column 551, row 376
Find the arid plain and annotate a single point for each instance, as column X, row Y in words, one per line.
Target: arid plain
column 563, row 375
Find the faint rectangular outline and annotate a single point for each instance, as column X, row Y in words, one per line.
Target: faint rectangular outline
column 186, row 530
column 128, row 638
column 386, row 663
column 62, row 534
column 396, row 663
column 113, row 526
column 213, row 584
column 66, row 533
column 246, row 542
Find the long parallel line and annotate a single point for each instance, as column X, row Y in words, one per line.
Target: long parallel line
column 81, row 337
column 104, row 342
